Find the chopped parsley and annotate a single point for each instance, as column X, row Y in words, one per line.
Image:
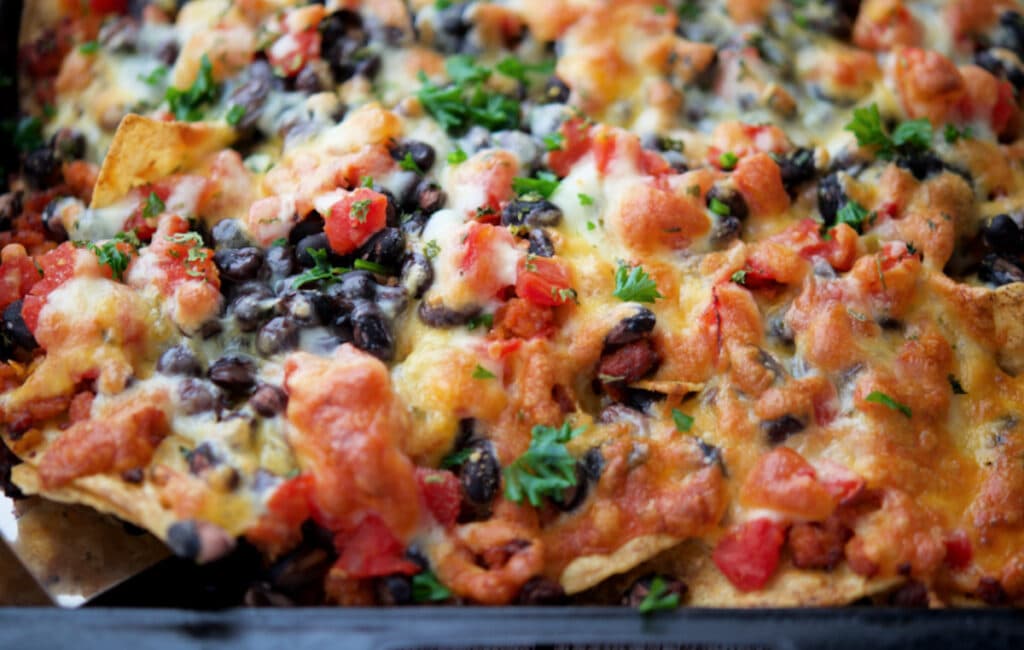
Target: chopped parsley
column 427, row 588
column 359, row 210
column 554, row 141
column 465, row 101
column 186, row 104
column 682, row 421
column 456, row 458
column 153, row 207
column 585, row 199
column 28, row 134
column 908, row 136
column 482, row 373
column 739, row 277
column 546, row 469
column 510, row 66
column 373, row 267
column 235, row 114
column 544, row 184
column 632, row 284
column 457, row 156
column 718, row 207
column 878, row 397
column 659, row 598
column 91, row 47
column 409, row 165
column 480, row 320
column 108, row 254
column 322, row 270
column 954, row 383
column 854, row 215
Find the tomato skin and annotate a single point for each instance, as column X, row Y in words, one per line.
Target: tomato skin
column 783, row 481
column 543, row 281
column 354, row 219
column 442, row 493
column 291, row 52
column 372, row 550
column 109, row 6
column 958, row 550
column 58, row 266
column 575, row 144
column 749, row 554
column 17, row 277
column 481, row 246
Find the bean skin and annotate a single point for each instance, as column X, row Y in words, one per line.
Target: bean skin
column 15, row 328
column 277, row 335
column 480, row 475
column 239, row 264
column 233, row 373
column 179, row 360
column 632, row 328
column 371, row 331
column 197, row 396
column 269, row 400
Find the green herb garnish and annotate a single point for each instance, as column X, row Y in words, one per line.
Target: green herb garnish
column 235, row 114
column 867, row 127
column 632, row 284
column 682, row 421
column 426, row 588
column 544, row 184
column 546, row 469
column 659, row 598
column 91, row 47
column 154, row 206
column 480, row 320
column 853, row 214
column 482, row 373
column 878, row 397
column 457, row 156
column 585, row 199
column 322, row 270
column 185, row 104
column 728, row 160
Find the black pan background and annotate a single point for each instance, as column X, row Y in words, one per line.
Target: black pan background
column 177, row 603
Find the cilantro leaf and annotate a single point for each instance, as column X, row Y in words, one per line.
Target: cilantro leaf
column 482, row 373
column 185, row 104
column 427, row 588
column 913, row 133
column 456, row 458
column 462, row 69
column 910, row 135
column 465, row 101
column 682, row 421
column 154, row 206
column 322, row 269
column 235, row 114
column 372, row 267
column 510, row 66
column 659, row 598
column 632, row 284
column 718, row 207
column 853, row 214
column 867, row 127
column 480, row 320
column 546, row 469
column 28, row 135
column 360, row 210
column 90, row 47
column 739, row 277
column 457, row 156
column 728, row 160
column 952, row 133
column 585, row 199
column 108, row 254
column 878, row 397
column 544, row 184
column 409, row 165
column 554, row 142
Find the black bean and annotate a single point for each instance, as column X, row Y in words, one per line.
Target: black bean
column 366, row 65
column 437, row 315
column 632, row 328
column 781, row 428
column 308, row 80
column 199, row 540
column 394, row 590
column 421, row 153
column 310, row 243
column 197, row 396
column 480, row 475
column 531, row 213
column 572, row 497
column 831, row 197
column 429, row 197
column 386, row 247
column 730, row 198
column 15, row 329
column 52, row 219
column 910, row 594
column 1010, row 32
column 797, row 167
column 413, row 224
column 228, row 233
column 233, row 373
column 277, row 335
column 640, row 399
column 712, row 455
column 41, row 168
column 68, row 144
column 179, row 360
column 183, row 539
column 311, row 225
column 371, row 331
column 1003, row 235
column 355, row 285
column 417, row 275
column 726, row 231
column 540, row 243
column 7, row 461
column 921, row 164
column 302, row 307
column 168, row 52
column 269, row 400
column 251, row 310
column 342, row 36
column 640, row 589
column 257, row 82
column 452, row 19
column 593, row 463
column 998, row 270
column 280, row 261
column 392, row 300
column 11, row 205
column 201, row 459
column 555, row 91
column 539, row 591
column 239, row 264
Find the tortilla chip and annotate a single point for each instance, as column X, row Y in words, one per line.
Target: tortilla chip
column 1009, row 323
column 585, row 572
column 145, row 150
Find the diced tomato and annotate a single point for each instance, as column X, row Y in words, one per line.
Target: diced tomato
column 755, row 277
column 372, row 550
column 653, row 163
column 481, row 248
column 543, row 281
column 442, row 494
column 17, row 276
column 291, row 52
column 749, row 554
column 783, row 481
column 958, row 550
column 842, row 483
column 290, row 503
column 58, row 266
column 1004, row 109
column 182, row 255
column 354, row 219
column 109, row 6
column 145, row 226
column 575, row 145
